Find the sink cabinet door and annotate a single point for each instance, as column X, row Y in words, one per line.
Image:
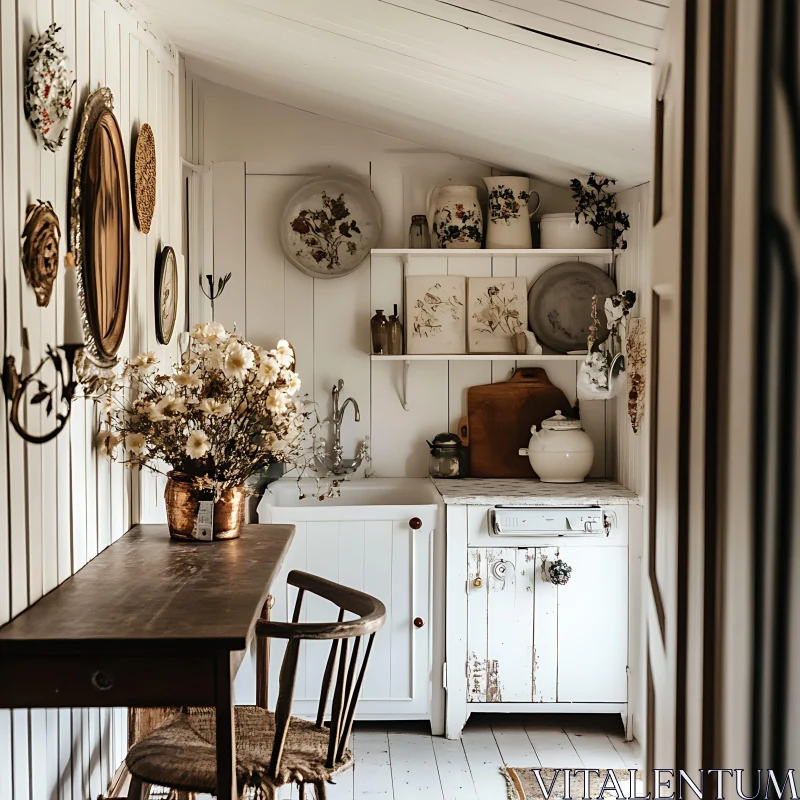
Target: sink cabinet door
column 593, row 626
column 388, row 559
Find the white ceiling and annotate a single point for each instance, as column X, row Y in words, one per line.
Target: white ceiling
column 554, row 88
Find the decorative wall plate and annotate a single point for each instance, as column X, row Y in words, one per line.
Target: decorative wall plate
column 144, row 178
column 100, row 229
column 40, row 241
column 48, row 89
column 560, row 304
column 329, row 226
column 166, row 286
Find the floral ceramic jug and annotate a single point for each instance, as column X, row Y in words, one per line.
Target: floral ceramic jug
column 456, row 216
column 510, row 215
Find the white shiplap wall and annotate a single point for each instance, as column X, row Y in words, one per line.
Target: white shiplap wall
column 259, row 153
column 634, row 267
column 61, row 502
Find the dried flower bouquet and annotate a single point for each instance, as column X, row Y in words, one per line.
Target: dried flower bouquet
column 227, row 410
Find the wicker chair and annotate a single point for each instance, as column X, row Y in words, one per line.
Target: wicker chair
column 272, row 749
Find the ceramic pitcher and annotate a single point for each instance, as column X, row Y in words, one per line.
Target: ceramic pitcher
column 456, row 216
column 510, row 212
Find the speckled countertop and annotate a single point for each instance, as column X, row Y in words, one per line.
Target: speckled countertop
column 522, row 491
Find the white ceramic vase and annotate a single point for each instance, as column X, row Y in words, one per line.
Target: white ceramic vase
column 456, row 217
column 510, row 212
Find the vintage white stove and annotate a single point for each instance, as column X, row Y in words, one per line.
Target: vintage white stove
column 517, row 640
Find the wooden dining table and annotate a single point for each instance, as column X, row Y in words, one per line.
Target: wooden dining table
column 150, row 623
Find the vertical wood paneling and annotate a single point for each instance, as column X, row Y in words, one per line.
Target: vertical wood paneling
column 229, row 242
column 61, row 502
column 634, row 272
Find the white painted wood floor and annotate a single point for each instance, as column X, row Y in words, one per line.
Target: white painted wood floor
column 402, row 761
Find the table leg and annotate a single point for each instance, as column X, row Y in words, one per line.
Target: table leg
column 226, row 731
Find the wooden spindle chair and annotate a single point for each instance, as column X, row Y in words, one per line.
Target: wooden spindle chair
column 273, row 749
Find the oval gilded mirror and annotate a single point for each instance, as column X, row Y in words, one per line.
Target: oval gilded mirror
column 100, row 227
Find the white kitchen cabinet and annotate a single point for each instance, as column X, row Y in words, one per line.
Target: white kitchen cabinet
column 515, row 641
column 529, row 640
column 381, row 554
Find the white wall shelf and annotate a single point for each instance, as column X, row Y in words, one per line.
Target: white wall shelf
column 407, row 253
column 444, row 252
column 483, row 357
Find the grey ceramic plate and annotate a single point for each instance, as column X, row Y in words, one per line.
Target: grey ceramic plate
column 560, row 304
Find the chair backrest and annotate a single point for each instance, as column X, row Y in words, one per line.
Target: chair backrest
column 371, row 616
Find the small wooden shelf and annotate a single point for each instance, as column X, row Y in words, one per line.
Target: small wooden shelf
column 445, row 253
column 483, row 357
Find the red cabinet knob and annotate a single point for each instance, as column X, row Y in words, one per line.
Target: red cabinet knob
column 415, row 523
column 418, row 622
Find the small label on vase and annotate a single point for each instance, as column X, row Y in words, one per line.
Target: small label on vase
column 204, row 524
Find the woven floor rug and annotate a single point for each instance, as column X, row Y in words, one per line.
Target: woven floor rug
column 524, row 785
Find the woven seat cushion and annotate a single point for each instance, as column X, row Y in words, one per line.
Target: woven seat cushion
column 182, row 753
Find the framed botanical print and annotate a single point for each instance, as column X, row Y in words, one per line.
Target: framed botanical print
column 435, row 315
column 497, row 308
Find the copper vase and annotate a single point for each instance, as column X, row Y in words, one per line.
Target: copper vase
column 182, row 499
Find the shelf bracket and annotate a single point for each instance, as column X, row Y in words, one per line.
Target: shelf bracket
column 404, row 396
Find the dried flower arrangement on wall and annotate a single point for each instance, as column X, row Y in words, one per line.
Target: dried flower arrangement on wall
column 637, row 359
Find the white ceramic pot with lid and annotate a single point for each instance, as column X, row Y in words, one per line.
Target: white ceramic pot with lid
column 561, row 452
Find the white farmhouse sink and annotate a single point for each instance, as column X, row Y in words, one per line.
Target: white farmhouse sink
column 285, row 493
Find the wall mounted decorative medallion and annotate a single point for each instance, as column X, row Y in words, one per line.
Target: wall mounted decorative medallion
column 166, row 285
column 100, row 232
column 329, row 226
column 40, row 240
column 48, row 89
column 144, row 178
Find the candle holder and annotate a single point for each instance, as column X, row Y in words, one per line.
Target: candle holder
column 15, row 387
column 212, row 294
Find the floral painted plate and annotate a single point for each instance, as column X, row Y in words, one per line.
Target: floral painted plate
column 48, row 89
column 329, row 226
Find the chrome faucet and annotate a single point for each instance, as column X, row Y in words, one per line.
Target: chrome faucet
column 334, row 463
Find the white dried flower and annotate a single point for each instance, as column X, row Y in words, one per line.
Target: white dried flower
column 106, row 443
column 215, row 358
column 268, row 370
column 212, row 406
column 135, row 443
column 210, row 333
column 284, row 353
column 144, row 361
column 189, row 379
column 197, row 444
column 292, row 384
column 238, row 360
column 155, row 412
column 276, row 401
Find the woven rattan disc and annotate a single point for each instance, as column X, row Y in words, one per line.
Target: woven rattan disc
column 144, row 178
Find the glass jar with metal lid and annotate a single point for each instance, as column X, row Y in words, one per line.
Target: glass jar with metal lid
column 448, row 457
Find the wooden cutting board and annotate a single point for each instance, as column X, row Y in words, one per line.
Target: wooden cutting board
column 499, row 419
